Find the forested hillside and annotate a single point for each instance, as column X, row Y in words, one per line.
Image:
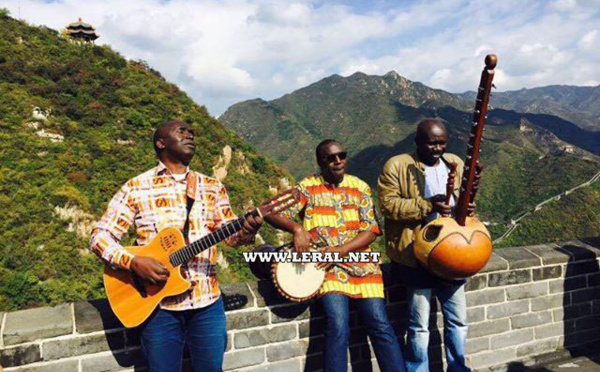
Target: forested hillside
column 75, row 123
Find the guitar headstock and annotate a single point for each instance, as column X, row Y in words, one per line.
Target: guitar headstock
column 279, row 202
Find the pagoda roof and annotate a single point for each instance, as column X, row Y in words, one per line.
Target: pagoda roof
column 91, row 35
column 81, row 30
column 80, row 25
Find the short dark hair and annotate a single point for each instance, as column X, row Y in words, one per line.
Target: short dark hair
column 322, row 145
column 422, row 126
column 160, row 133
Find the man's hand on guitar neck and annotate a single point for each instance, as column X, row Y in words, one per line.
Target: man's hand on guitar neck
column 250, row 228
column 149, row 269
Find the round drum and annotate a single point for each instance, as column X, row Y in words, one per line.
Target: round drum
column 297, row 282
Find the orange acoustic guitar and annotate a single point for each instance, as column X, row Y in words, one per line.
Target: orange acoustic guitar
column 133, row 300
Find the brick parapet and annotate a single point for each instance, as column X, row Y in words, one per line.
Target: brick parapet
column 528, row 301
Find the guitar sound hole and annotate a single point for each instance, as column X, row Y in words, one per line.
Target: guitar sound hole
column 432, row 232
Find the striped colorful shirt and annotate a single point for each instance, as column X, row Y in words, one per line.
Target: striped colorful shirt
column 155, row 200
column 334, row 215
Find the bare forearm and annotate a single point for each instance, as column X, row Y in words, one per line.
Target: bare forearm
column 283, row 223
column 360, row 242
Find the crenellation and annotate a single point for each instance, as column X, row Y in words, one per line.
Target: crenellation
column 549, row 254
column 519, row 258
column 579, row 250
column 496, row 263
column 526, row 301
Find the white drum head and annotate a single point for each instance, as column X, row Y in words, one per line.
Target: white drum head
column 298, row 281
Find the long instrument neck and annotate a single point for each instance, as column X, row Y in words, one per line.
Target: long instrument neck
column 473, row 143
column 189, row 251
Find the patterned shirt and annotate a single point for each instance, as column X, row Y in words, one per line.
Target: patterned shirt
column 334, row 215
column 155, row 200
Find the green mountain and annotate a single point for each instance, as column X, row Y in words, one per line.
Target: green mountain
column 361, row 109
column 75, row 123
column 579, row 105
column 527, row 157
column 575, row 215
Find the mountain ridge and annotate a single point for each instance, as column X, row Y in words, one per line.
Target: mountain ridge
column 528, row 156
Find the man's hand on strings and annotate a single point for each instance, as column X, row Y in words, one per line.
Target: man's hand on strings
column 149, row 269
column 251, row 225
column 438, row 203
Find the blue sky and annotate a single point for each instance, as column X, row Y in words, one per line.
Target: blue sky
column 223, row 52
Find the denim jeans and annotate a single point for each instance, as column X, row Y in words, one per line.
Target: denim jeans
column 454, row 310
column 204, row 331
column 374, row 318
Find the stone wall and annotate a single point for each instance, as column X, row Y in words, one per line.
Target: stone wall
column 527, row 302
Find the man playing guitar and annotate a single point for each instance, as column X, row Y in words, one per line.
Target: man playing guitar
column 164, row 197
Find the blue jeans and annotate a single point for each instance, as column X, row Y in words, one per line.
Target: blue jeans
column 454, row 309
column 204, row 331
column 374, row 318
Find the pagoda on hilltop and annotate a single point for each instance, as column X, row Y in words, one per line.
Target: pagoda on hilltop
column 81, row 31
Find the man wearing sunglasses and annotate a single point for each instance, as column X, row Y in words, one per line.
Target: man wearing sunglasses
column 337, row 214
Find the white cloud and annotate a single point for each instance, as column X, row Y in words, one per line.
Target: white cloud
column 222, row 52
column 589, row 41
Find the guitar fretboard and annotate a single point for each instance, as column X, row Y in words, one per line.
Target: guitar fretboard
column 189, row 251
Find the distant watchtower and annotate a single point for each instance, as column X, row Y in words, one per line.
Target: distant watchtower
column 81, row 31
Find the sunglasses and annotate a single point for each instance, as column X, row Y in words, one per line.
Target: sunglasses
column 341, row 155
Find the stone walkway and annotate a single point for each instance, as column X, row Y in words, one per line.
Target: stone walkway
column 580, row 360
column 579, row 364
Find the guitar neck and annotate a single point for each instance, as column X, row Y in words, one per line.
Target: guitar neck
column 189, row 251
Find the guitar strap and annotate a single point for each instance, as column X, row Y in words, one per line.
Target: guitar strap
column 190, row 197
